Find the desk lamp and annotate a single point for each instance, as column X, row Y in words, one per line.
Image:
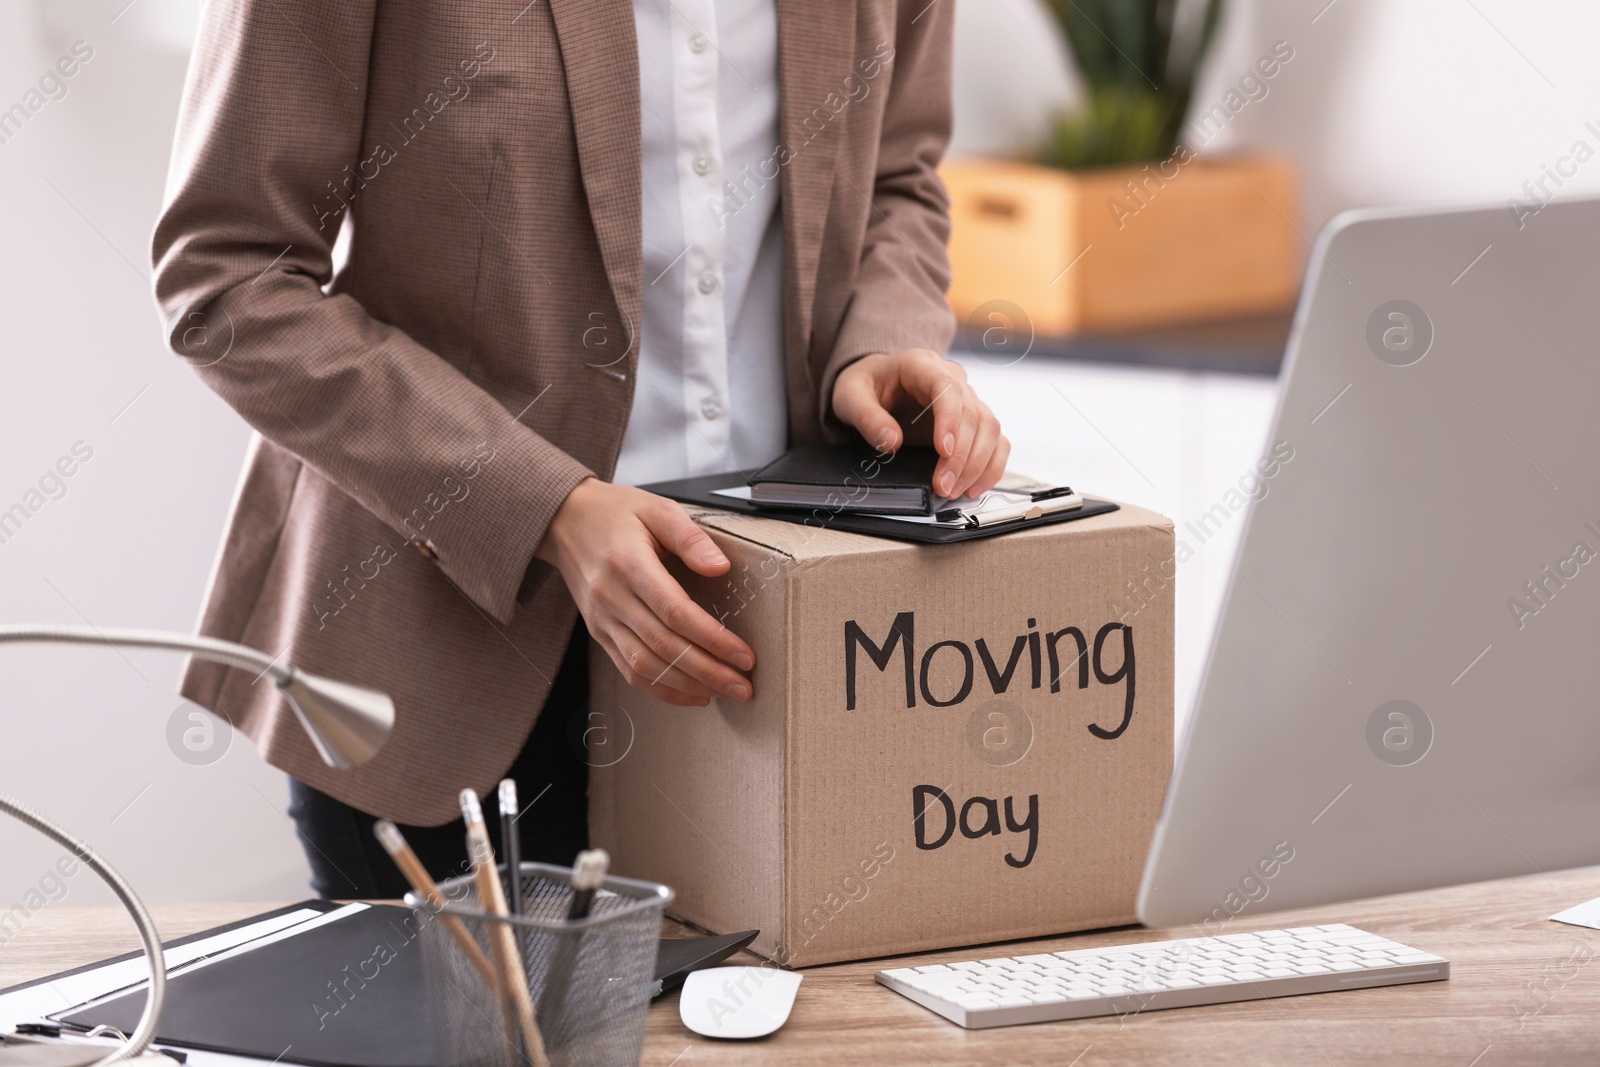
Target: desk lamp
column 346, row 723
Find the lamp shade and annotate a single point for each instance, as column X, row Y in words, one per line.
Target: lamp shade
column 347, row 723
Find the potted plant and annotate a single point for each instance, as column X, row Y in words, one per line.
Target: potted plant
column 1118, row 222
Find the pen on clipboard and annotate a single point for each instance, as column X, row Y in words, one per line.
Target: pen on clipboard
column 1042, row 502
column 1033, row 509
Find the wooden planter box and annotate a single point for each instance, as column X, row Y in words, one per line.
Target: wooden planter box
column 1123, row 247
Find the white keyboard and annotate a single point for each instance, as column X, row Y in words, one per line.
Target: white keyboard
column 1127, row 979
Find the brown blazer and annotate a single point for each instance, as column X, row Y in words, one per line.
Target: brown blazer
column 423, row 412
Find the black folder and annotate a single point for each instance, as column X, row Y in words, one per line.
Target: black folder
column 322, row 997
column 701, row 492
column 296, row 998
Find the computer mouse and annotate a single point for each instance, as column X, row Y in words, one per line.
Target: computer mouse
column 737, row 1002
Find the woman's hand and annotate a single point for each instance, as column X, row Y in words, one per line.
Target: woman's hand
column 930, row 396
column 608, row 542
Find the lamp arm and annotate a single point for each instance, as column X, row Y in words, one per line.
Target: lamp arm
column 209, row 648
column 347, row 724
column 142, row 1035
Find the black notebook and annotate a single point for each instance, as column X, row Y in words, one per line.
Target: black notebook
column 818, row 475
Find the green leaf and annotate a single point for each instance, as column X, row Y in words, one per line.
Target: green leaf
column 1138, row 60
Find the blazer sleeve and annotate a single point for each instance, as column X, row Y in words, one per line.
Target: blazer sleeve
column 272, row 108
column 899, row 298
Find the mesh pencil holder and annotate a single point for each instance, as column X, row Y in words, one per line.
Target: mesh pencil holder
column 590, row 979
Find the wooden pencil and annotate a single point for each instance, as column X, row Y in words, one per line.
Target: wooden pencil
column 422, row 882
column 503, row 942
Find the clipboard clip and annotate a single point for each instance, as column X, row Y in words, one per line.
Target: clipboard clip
column 1030, row 506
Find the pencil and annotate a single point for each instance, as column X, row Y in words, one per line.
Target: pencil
column 510, row 843
column 588, row 871
column 502, row 940
column 394, row 843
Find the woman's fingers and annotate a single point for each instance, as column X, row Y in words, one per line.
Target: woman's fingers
column 859, row 398
column 644, row 669
column 984, row 442
column 941, row 387
column 996, row 469
column 683, row 658
column 652, row 584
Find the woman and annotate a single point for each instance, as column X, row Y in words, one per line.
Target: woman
column 591, row 244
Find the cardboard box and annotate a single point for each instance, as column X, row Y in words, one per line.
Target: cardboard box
column 1146, row 246
column 949, row 744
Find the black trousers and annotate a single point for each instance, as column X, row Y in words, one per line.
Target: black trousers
column 552, row 787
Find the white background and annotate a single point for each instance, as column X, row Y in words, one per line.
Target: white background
column 1425, row 101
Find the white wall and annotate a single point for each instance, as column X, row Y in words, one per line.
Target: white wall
column 1417, row 102
column 84, row 733
column 1384, row 102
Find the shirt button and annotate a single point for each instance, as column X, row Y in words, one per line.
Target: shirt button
column 708, row 282
column 698, row 43
column 711, row 407
column 701, row 164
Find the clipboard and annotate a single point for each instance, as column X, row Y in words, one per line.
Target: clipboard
column 701, row 492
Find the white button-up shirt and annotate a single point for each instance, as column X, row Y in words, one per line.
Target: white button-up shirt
column 710, row 394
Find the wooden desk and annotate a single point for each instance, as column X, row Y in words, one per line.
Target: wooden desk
column 1495, row 934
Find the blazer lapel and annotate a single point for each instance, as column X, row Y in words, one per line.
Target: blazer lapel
column 601, row 57
column 816, row 50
